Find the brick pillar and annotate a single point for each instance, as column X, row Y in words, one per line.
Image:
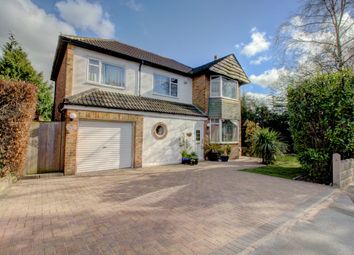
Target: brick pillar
column 138, row 142
column 71, row 130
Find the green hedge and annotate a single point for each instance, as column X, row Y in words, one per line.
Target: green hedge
column 321, row 115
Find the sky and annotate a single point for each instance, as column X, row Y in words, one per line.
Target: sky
column 189, row 31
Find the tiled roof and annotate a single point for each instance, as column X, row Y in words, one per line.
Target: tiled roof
column 228, row 66
column 130, row 51
column 115, row 100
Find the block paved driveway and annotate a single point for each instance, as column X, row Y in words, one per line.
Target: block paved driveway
column 207, row 209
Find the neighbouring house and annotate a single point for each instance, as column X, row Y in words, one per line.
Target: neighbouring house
column 126, row 107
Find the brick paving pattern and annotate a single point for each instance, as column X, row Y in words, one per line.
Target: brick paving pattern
column 204, row 209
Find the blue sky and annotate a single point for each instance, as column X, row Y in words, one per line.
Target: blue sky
column 191, row 32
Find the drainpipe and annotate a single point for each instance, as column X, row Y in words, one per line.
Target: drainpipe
column 139, row 78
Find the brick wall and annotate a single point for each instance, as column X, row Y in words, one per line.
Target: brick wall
column 63, row 83
column 71, row 132
column 200, row 92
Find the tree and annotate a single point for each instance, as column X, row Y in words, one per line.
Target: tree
column 274, row 116
column 320, row 37
column 15, row 66
column 266, row 145
column 321, row 114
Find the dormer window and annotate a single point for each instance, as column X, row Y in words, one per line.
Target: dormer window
column 221, row 86
column 105, row 74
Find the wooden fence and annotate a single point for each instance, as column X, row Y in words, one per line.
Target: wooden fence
column 45, row 148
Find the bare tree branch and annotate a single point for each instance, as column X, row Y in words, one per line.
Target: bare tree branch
column 321, row 35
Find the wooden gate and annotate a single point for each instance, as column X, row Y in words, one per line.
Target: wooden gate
column 45, row 148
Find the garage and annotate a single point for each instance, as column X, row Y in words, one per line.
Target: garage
column 104, row 145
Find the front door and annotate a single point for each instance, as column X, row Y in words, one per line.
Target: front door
column 198, row 139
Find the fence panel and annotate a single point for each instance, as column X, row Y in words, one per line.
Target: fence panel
column 45, row 149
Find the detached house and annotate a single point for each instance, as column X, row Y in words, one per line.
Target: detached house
column 125, row 107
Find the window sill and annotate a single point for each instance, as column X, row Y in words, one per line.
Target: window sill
column 104, row 85
column 236, row 142
column 162, row 95
column 228, row 98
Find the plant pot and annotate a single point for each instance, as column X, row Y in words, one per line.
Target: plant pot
column 194, row 161
column 224, row 158
column 213, row 156
column 186, row 161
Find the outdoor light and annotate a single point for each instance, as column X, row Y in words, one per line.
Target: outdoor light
column 72, row 116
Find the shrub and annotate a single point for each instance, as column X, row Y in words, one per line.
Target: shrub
column 251, row 128
column 228, row 149
column 213, row 147
column 321, row 115
column 17, row 109
column 265, row 144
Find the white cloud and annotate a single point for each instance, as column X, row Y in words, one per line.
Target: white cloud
column 269, row 78
column 260, row 60
column 134, row 5
column 308, row 48
column 36, row 31
column 86, row 16
column 256, row 95
column 259, row 43
column 239, row 45
column 260, row 98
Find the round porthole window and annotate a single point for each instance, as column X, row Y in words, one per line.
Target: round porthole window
column 159, row 130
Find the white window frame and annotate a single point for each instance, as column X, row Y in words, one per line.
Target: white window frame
column 170, row 83
column 220, row 87
column 100, row 83
column 220, row 133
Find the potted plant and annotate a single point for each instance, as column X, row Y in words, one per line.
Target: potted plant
column 194, row 158
column 226, row 154
column 212, row 152
column 186, row 157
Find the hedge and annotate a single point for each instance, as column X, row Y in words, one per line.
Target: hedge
column 17, row 108
column 321, row 115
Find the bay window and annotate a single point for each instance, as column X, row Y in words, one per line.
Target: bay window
column 221, row 86
column 166, row 86
column 223, row 131
column 106, row 74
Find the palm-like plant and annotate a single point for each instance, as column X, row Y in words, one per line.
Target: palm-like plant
column 265, row 144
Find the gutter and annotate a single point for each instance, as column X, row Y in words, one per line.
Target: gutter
column 132, row 112
column 139, row 78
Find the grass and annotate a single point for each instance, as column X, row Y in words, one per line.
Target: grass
column 286, row 167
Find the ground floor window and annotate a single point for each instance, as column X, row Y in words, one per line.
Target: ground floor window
column 223, row 131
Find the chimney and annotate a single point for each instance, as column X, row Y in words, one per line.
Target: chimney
column 215, row 57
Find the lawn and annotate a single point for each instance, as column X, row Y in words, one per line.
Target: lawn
column 286, row 167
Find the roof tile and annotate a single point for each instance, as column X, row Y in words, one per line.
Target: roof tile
column 115, row 100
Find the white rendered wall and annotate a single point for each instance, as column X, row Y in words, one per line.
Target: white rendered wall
column 167, row 150
column 80, row 82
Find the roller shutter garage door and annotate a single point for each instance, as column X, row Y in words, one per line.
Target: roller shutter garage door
column 103, row 145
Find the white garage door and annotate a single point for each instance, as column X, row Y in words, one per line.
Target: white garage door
column 103, row 146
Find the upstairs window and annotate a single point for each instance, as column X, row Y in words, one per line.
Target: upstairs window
column 94, row 70
column 166, row 86
column 112, row 75
column 106, row 74
column 223, row 87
